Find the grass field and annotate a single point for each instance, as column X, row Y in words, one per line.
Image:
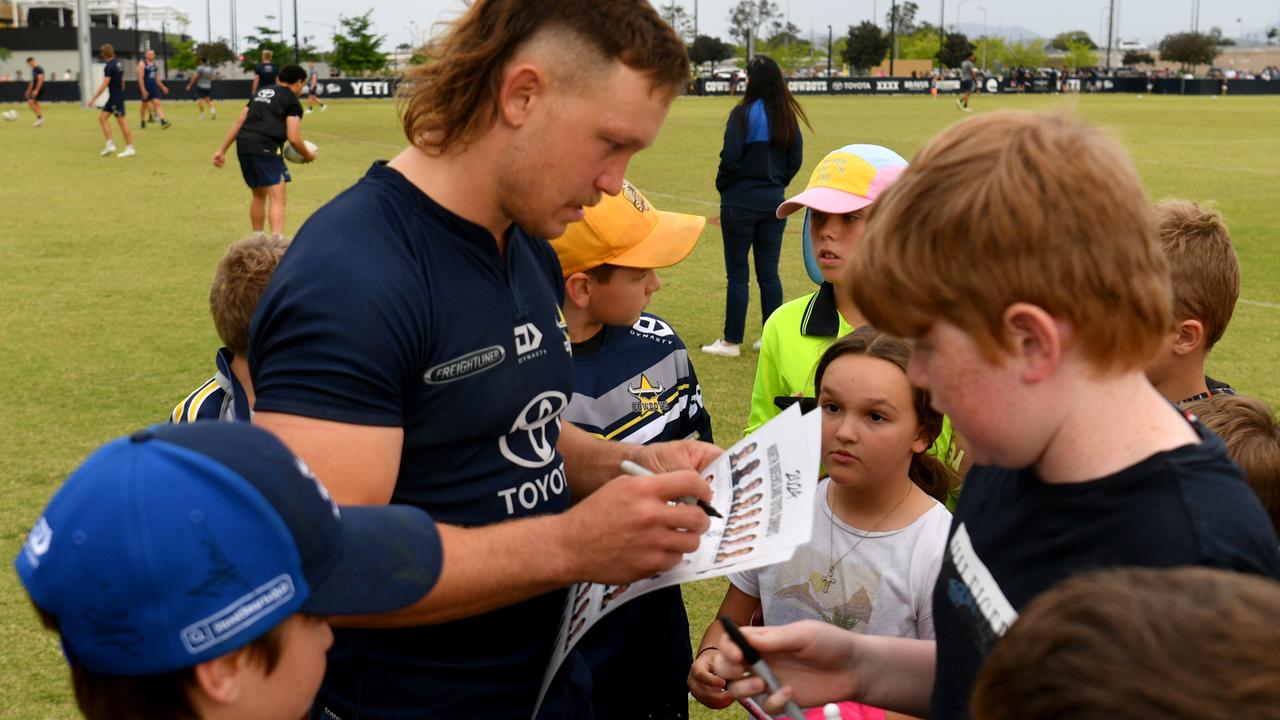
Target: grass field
column 105, row 266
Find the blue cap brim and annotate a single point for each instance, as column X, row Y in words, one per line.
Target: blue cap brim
column 389, row 557
column 810, row 262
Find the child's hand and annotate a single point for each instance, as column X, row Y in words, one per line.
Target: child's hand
column 705, row 686
column 218, row 159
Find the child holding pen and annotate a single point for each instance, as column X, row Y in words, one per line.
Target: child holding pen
column 879, row 523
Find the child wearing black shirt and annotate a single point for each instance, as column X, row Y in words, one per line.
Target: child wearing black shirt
column 272, row 117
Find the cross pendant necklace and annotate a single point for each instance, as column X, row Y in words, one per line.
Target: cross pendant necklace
column 829, row 578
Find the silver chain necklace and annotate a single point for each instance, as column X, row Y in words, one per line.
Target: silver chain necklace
column 829, row 578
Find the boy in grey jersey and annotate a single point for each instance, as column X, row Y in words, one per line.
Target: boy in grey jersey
column 202, row 78
column 313, row 78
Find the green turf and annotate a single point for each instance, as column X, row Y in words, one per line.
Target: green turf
column 105, row 266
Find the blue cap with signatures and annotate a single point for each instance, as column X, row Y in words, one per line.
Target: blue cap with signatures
column 182, row 543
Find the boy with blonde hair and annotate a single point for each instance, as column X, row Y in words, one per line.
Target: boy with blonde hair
column 633, row 382
column 242, row 275
column 1033, row 324
column 188, row 570
column 1206, row 284
column 1251, row 432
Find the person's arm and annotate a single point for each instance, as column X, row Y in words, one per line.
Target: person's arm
column 191, row 83
column 730, row 151
column 624, row 532
column 819, row 663
column 705, row 686
column 37, row 83
column 293, row 131
column 795, row 154
column 591, row 462
column 163, row 88
column 101, row 89
column 253, row 89
column 220, row 156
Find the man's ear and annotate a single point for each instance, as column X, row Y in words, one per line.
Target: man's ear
column 1035, row 338
column 218, row 680
column 1190, row 338
column 522, row 84
column 577, row 289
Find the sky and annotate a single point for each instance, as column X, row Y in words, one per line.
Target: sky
column 404, row 21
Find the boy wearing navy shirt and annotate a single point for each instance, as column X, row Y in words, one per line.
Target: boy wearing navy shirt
column 1033, row 324
column 113, row 85
column 188, row 570
column 272, row 117
column 264, row 74
column 633, row 383
column 242, row 275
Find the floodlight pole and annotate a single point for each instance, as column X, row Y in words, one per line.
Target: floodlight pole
column 83, row 21
column 164, row 47
column 1111, row 27
column 208, row 23
column 831, row 49
column 893, row 34
column 297, row 54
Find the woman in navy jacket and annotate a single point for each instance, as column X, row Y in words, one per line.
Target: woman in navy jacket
column 762, row 151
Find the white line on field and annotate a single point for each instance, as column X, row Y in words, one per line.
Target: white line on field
column 1259, row 303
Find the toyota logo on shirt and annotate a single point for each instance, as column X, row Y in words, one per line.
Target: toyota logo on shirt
column 527, row 443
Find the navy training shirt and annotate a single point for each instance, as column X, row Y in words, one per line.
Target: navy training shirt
column 150, row 73
column 266, row 73
column 116, row 74
column 390, row 310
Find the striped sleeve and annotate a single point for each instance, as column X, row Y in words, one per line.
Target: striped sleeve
column 203, row 404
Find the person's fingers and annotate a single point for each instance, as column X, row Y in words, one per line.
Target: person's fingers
column 746, row 687
column 775, row 702
column 680, row 483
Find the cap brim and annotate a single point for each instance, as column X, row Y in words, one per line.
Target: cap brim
column 669, row 242
column 390, row 556
column 822, row 199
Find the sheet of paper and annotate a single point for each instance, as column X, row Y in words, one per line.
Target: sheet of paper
column 763, row 487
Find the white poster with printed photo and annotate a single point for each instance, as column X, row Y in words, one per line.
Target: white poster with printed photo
column 763, row 487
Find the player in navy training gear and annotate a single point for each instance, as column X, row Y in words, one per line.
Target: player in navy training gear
column 272, row 117
column 264, row 74
column 113, row 85
column 411, row 345
column 34, row 90
column 151, row 87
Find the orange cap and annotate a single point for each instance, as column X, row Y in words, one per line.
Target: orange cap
column 626, row 230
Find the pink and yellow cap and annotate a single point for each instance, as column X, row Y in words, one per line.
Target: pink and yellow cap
column 847, row 180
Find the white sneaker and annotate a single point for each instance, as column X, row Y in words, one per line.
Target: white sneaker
column 756, row 345
column 213, row 115
column 38, row 122
column 309, row 111
column 323, row 107
column 128, row 152
column 110, row 148
column 968, row 109
column 201, row 116
column 722, row 348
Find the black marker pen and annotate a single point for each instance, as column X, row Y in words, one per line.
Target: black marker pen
column 758, row 666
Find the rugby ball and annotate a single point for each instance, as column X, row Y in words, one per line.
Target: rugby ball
column 293, row 156
column 10, row 115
